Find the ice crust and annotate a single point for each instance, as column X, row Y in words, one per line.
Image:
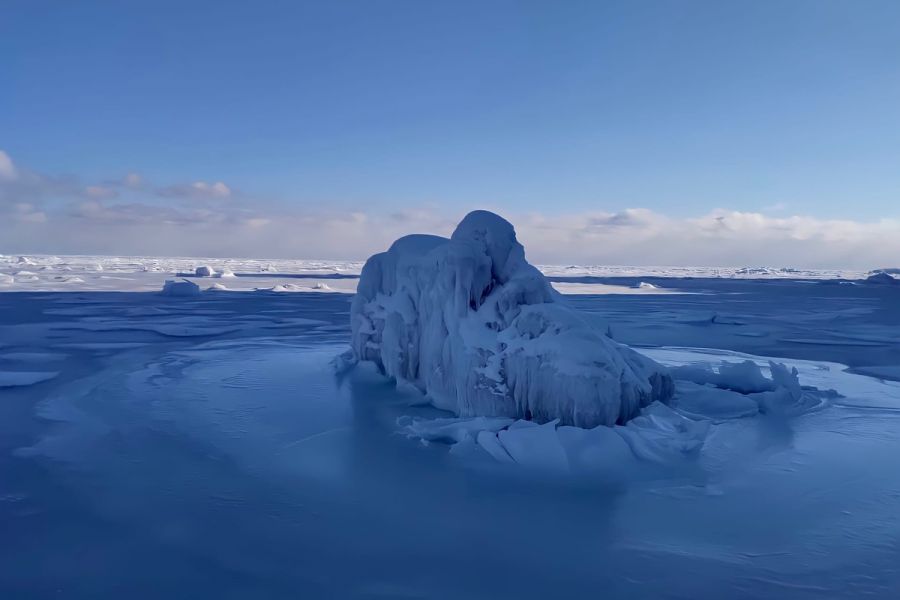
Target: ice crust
column 473, row 325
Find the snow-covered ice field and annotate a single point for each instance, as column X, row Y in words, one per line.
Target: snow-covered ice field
column 207, row 446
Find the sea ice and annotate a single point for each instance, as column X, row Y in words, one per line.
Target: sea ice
column 451, row 430
column 744, row 377
column 473, row 325
column 713, row 402
column 204, row 271
column 660, row 434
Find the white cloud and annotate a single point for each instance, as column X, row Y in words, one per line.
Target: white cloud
column 131, row 216
column 99, row 191
column 132, row 180
column 198, row 190
column 24, row 212
column 216, row 190
column 7, row 168
column 634, row 237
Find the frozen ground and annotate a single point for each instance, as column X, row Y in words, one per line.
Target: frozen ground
column 186, row 447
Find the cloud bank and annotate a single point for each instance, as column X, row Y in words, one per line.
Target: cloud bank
column 129, row 215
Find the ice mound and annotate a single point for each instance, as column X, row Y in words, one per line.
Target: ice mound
column 660, row 434
column 204, row 271
column 180, row 288
column 882, row 278
column 473, row 325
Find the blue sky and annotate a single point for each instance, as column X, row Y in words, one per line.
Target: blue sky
column 786, row 109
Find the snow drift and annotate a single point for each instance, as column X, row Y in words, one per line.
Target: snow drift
column 473, row 325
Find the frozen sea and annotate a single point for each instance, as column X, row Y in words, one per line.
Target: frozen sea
column 206, row 447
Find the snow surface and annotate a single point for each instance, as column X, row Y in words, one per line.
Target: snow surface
column 148, row 273
column 470, row 323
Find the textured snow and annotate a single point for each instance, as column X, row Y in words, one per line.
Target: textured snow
column 477, row 328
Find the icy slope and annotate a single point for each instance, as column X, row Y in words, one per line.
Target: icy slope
column 477, row 328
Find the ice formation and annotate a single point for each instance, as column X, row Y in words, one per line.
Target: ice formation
column 704, row 397
column 204, row 271
column 882, row 278
column 180, row 288
column 658, row 434
column 472, row 324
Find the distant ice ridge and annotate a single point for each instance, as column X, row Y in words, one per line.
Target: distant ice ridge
column 147, row 273
column 473, row 325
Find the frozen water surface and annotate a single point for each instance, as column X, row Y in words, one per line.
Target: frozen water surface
column 207, row 447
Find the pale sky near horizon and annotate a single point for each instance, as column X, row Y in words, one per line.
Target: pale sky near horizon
column 639, row 132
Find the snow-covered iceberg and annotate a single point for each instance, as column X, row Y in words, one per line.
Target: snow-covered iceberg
column 473, row 325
